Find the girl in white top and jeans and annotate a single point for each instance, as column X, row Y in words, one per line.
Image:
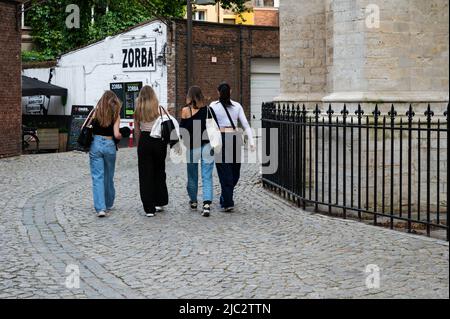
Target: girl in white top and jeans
column 228, row 163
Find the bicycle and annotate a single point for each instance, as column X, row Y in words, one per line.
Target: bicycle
column 30, row 140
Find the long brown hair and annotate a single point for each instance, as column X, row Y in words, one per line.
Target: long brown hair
column 195, row 97
column 147, row 105
column 108, row 109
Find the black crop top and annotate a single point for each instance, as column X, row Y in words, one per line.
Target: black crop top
column 196, row 139
column 103, row 131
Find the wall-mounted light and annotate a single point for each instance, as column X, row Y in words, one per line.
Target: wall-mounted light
column 158, row 29
column 161, row 58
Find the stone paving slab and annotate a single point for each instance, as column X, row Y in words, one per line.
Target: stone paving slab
column 267, row 249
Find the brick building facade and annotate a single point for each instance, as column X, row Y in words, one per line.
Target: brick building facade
column 266, row 16
column 10, row 88
column 221, row 53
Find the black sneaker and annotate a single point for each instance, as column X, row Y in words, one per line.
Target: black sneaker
column 206, row 210
column 194, row 205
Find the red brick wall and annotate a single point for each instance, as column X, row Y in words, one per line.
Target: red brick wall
column 268, row 17
column 10, row 81
column 233, row 45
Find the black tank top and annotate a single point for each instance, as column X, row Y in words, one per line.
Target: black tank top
column 188, row 125
column 97, row 129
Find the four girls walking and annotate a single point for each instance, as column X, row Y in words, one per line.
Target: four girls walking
column 151, row 121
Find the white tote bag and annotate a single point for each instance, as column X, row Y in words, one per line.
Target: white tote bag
column 213, row 131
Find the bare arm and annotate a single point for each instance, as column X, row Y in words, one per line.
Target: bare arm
column 137, row 132
column 246, row 126
column 117, row 134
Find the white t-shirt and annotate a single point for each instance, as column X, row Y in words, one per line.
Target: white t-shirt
column 237, row 114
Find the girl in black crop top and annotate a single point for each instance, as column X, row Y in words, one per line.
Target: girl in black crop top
column 102, row 155
column 97, row 129
column 193, row 127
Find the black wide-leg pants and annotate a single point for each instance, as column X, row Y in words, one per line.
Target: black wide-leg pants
column 152, row 154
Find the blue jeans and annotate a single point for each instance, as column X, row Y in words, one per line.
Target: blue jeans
column 103, row 161
column 202, row 154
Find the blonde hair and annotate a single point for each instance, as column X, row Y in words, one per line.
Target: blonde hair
column 108, row 109
column 147, row 105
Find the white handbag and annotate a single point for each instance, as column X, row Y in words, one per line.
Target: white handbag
column 214, row 134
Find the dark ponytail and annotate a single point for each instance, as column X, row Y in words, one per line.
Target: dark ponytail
column 195, row 97
column 225, row 94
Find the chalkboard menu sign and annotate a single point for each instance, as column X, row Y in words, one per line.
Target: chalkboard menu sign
column 78, row 116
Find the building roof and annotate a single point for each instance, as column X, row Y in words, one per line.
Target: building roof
column 39, row 64
column 139, row 25
column 12, row 1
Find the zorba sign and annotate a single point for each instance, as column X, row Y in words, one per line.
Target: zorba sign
column 139, row 54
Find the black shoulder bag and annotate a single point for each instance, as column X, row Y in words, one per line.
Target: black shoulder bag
column 86, row 134
column 234, row 126
column 167, row 128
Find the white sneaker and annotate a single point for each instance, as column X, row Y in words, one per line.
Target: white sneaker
column 206, row 210
column 159, row 209
column 150, row 214
column 101, row 214
column 228, row 209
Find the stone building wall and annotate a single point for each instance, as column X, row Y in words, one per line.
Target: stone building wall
column 404, row 59
column 302, row 50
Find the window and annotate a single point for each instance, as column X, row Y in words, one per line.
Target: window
column 229, row 21
column 259, row 3
column 267, row 3
column 26, row 14
column 200, row 15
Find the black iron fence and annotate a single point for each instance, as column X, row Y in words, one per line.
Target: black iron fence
column 390, row 168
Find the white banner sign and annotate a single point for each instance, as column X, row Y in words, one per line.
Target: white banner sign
column 139, row 54
column 34, row 104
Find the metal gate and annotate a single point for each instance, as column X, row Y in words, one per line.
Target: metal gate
column 390, row 169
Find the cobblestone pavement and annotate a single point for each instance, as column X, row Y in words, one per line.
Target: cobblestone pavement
column 267, row 249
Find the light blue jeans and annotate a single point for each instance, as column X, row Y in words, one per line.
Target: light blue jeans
column 202, row 154
column 103, row 162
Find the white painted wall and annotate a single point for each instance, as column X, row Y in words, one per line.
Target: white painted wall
column 88, row 72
